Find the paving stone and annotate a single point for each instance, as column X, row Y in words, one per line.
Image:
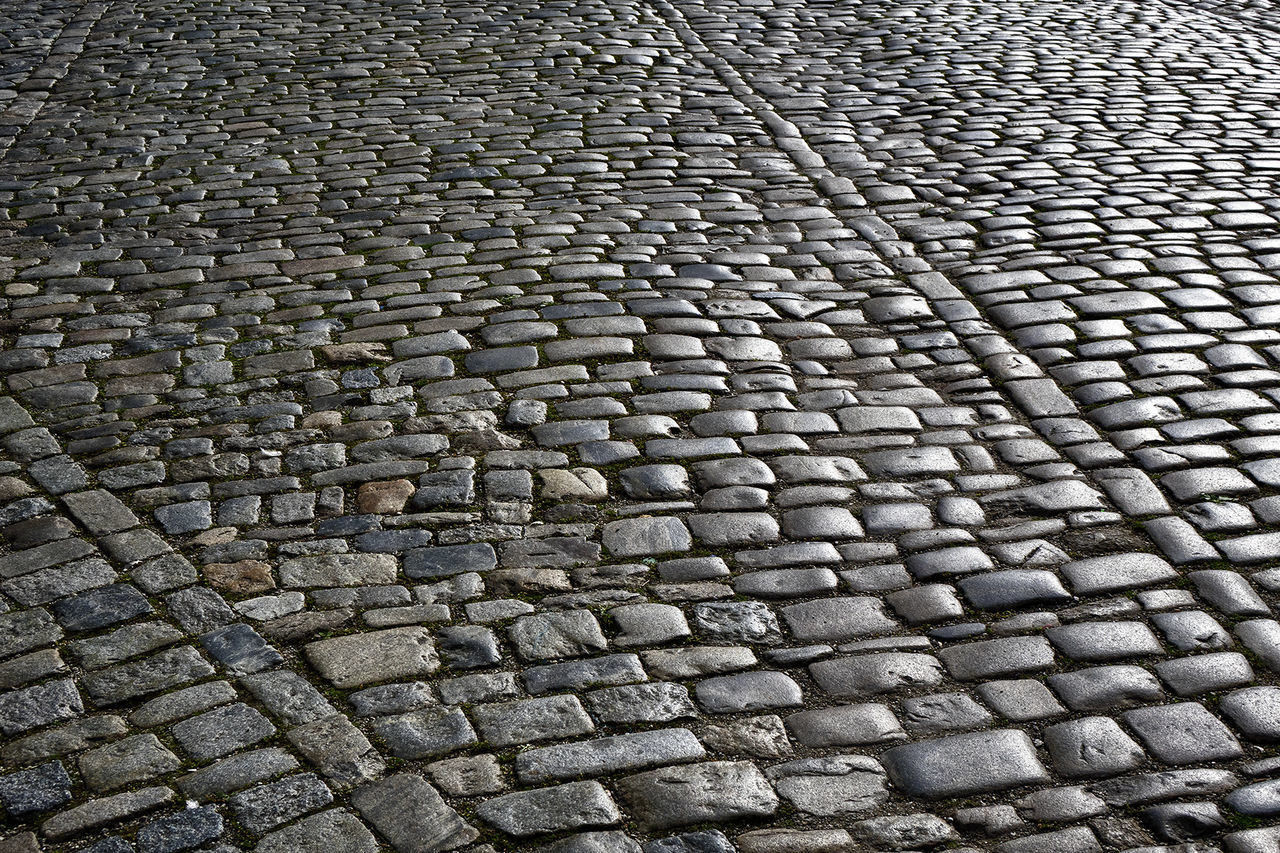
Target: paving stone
column 428, row 733
column 199, row 610
column 288, row 696
column 870, row 675
column 338, row 749
column 37, row 789
column 658, row 702
column 407, row 811
column 993, row 658
column 948, row 561
column 835, row 785
column 101, row 607
column 656, row 482
column 222, row 731
column 748, row 621
column 594, row 842
column 642, row 537
column 1183, row 821
column 240, row 649
column 468, row 776
column 338, row 570
column 1191, row 676
column 125, row 762
column 845, row 725
column 607, row 755
column 733, row 529
column 265, row 807
column 581, row 674
column 837, row 619
column 1031, row 325
column 1105, row 688
column 1104, row 640
column 711, row 841
column 570, row 806
column 1252, row 711
column 749, row 691
column 549, row 636
column 649, row 624
column 182, row 703
column 359, row 659
column 449, row 560
column 941, row 712
column 104, row 811
column 237, row 772
column 1006, row 590
column 786, row 583
column 900, row 832
column 964, row 764
column 336, row 830
column 1192, row 630
column 1184, row 733
column 33, row 707
column 1258, row 799
column 184, row 830
column 758, row 737
column 1119, row 572
column 714, row 791
column 1091, row 747
column 551, row 718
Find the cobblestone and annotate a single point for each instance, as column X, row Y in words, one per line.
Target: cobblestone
column 638, row 425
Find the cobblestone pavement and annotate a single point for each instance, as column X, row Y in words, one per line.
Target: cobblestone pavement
column 677, row 426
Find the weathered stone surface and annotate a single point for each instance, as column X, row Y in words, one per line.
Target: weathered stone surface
column 1122, row 571
column 184, row 830
column 33, row 707
column 263, row 808
column 676, row 365
column 338, row 570
column 339, row 750
column 960, row 765
column 608, row 755
column 831, row 786
column 149, row 675
column 411, row 815
column 845, row 725
column 36, row 789
column 642, row 537
column 125, row 762
column 334, row 831
column 548, row 636
column 680, row 796
column 106, row 810
column 359, row 659
column 570, row 806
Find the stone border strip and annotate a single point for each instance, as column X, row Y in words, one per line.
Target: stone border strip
column 1032, row 392
column 34, row 91
column 218, row 647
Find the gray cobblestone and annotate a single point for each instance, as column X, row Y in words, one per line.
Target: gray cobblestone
column 681, row 392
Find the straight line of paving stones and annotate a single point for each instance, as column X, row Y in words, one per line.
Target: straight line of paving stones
column 1056, row 415
column 1039, row 398
column 124, row 573
column 32, row 88
column 1262, row 15
column 736, row 788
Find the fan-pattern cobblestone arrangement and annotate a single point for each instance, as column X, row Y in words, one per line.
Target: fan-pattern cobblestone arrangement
column 639, row 426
